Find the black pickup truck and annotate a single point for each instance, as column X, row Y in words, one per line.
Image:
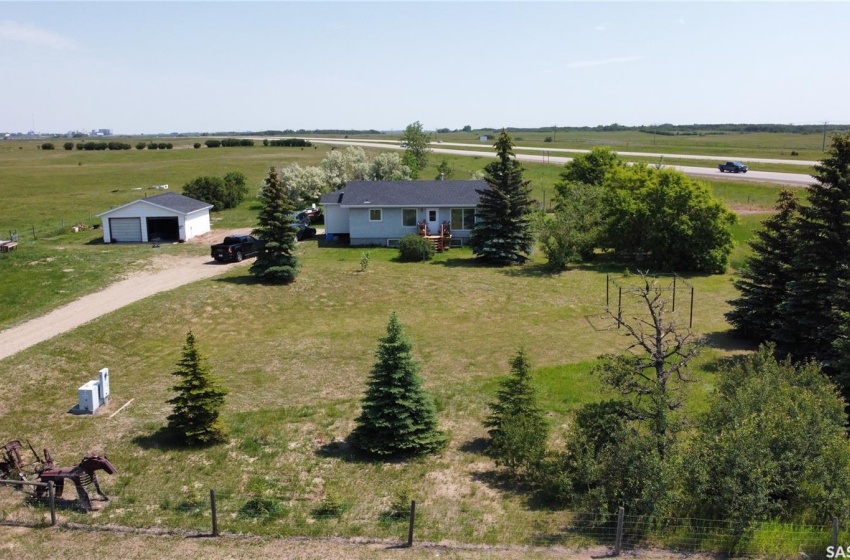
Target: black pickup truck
column 235, row 248
column 732, row 167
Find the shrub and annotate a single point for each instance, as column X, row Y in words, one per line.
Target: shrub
column 213, row 143
column 222, row 193
column 289, row 143
column 47, row 146
column 169, row 145
column 140, row 146
column 153, row 146
column 413, row 248
column 68, row 145
column 197, row 145
column 162, row 145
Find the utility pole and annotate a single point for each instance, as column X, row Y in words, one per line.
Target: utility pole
column 823, row 146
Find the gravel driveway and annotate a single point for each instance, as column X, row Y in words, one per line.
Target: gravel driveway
column 164, row 273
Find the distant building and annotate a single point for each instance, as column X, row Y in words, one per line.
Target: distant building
column 102, row 132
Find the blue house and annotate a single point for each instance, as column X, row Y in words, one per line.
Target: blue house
column 382, row 212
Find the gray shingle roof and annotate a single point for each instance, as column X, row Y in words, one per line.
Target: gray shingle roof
column 178, row 202
column 406, row 193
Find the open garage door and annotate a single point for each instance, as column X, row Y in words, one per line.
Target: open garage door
column 125, row 230
column 163, row 229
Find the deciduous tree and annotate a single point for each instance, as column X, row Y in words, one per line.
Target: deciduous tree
column 222, row 193
column 574, row 231
column 415, row 142
column 651, row 374
column 674, row 221
column 773, row 445
column 398, row 418
column 590, row 168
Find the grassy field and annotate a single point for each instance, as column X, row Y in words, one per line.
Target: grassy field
column 743, row 145
column 296, row 358
column 48, row 192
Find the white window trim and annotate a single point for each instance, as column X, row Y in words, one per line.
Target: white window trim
column 415, row 217
column 462, row 213
column 381, row 210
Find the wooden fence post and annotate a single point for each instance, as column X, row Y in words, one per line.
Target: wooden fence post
column 618, row 539
column 410, row 529
column 214, row 514
column 51, row 498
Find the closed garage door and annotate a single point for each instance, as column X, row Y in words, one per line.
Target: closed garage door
column 125, row 230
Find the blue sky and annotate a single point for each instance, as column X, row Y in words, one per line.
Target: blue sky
column 145, row 67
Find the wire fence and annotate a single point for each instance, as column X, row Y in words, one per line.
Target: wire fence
column 439, row 522
column 48, row 229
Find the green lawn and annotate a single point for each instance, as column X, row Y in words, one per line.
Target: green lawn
column 295, row 360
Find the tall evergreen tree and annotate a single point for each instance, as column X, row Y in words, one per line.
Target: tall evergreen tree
column 516, row 424
column 502, row 231
column 195, row 419
column 398, row 417
column 276, row 262
column 817, row 294
column 764, row 281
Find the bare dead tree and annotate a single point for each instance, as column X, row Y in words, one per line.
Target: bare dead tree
column 651, row 373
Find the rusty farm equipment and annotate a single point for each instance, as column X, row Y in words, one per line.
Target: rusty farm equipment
column 43, row 469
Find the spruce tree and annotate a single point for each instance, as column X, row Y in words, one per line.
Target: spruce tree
column 502, row 231
column 195, row 418
column 276, row 262
column 764, row 281
column 517, row 427
column 817, row 293
column 398, row 417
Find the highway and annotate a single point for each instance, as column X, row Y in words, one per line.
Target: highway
column 545, row 156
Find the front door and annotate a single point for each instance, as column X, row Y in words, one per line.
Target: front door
column 432, row 216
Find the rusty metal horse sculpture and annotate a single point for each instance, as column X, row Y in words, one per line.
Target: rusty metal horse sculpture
column 82, row 475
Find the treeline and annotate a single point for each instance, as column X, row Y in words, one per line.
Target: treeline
column 230, row 143
column 288, row 143
column 91, row 146
column 155, row 146
column 690, row 129
column 314, row 131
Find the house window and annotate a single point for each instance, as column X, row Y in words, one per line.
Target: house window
column 408, row 217
column 375, row 214
column 463, row 218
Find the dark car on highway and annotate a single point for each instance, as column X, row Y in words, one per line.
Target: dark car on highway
column 732, row 167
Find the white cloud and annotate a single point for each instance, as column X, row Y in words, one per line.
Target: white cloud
column 29, row 35
column 602, row 26
column 603, row 62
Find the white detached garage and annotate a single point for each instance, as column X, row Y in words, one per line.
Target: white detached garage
column 165, row 217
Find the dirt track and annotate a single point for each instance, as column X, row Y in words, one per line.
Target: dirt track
column 164, row 273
